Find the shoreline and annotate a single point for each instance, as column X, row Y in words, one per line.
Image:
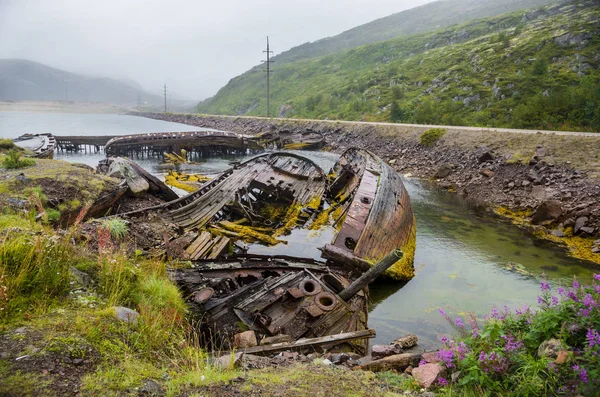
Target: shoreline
column 61, row 107
column 552, row 178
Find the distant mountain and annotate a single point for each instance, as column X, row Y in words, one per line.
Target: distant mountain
column 426, row 18
column 27, row 80
column 535, row 68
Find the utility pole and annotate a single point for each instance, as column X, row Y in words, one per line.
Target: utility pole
column 139, row 100
column 66, row 92
column 268, row 62
column 165, row 94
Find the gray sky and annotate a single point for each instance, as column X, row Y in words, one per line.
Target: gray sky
column 196, row 46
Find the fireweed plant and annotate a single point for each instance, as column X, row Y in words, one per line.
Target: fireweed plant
column 511, row 353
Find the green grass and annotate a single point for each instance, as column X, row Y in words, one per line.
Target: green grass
column 13, row 160
column 34, row 292
column 462, row 75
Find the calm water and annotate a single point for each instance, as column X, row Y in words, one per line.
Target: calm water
column 466, row 259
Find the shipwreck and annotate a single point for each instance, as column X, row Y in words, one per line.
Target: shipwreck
column 229, row 226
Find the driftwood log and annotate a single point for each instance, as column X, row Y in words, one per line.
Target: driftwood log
column 398, row 362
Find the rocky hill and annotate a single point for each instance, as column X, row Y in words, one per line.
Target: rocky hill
column 526, row 69
column 27, row 80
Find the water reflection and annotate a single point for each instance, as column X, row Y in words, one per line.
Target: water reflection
column 466, row 261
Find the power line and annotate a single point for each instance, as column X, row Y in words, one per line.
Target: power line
column 268, row 62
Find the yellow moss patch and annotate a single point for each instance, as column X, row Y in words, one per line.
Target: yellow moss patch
column 404, row 269
column 248, row 234
column 516, row 217
column 296, row 146
column 579, row 247
column 291, row 219
column 172, row 181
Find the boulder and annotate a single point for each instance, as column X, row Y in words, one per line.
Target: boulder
column 443, row 171
column 126, row 314
column 488, row 173
column 380, row 351
column 431, row 357
column 228, row 361
column 80, row 278
column 483, row 154
column 151, row 388
column 244, row 340
column 549, row 210
column 121, row 168
column 579, row 223
column 428, row 374
column 587, row 230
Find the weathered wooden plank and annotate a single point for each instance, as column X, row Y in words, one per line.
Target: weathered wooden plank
column 219, row 248
column 311, row 342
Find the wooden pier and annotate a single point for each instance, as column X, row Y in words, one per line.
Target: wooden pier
column 74, row 143
column 197, row 143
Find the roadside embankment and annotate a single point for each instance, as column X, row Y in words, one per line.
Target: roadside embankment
column 546, row 180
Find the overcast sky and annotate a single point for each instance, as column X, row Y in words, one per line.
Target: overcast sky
column 195, row 46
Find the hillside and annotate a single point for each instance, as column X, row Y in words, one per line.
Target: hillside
column 525, row 69
column 27, row 80
column 426, row 18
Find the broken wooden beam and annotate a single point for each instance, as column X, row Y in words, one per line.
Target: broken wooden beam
column 371, row 274
column 311, row 342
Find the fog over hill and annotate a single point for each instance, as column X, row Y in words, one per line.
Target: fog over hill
column 27, row 80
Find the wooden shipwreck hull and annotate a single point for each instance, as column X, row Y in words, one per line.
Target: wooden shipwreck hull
column 273, row 297
column 192, row 141
column 306, row 140
column 261, row 201
column 42, row 145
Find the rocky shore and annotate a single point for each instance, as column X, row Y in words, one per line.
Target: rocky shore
column 547, row 181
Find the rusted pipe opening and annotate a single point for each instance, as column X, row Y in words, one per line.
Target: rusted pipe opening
column 325, row 301
column 310, row 287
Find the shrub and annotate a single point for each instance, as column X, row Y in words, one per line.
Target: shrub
column 13, row 160
column 509, row 353
column 431, row 136
column 116, row 226
column 6, row 144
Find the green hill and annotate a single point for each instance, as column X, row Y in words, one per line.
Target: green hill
column 525, row 69
column 426, row 18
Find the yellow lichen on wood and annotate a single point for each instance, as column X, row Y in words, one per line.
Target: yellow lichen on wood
column 290, row 220
column 296, row 146
column 189, row 183
column 404, row 269
column 248, row 234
